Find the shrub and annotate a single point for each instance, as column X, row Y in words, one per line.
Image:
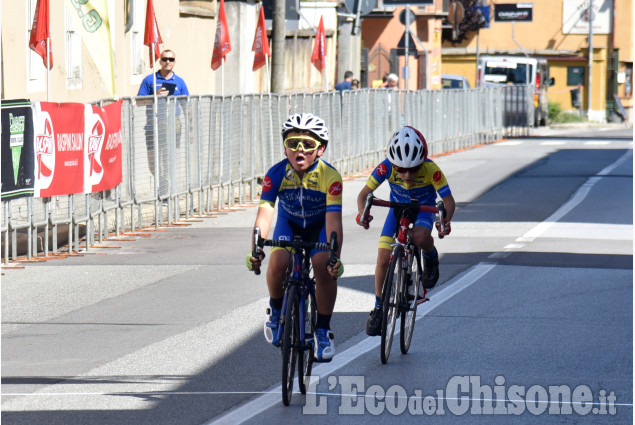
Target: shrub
column 558, row 116
column 555, row 109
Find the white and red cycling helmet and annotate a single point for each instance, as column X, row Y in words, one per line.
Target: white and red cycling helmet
column 407, row 148
column 306, row 121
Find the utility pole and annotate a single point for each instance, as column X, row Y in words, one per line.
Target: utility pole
column 278, row 35
column 590, row 65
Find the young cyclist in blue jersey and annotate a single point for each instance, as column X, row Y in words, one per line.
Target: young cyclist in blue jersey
column 411, row 176
column 309, row 191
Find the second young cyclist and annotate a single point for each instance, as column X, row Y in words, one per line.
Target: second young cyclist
column 309, row 191
column 411, row 176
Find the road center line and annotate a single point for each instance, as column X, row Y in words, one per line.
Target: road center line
column 573, row 202
column 253, row 408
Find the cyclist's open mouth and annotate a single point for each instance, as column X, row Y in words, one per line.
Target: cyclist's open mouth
column 300, row 159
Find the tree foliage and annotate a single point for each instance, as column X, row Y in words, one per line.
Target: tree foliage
column 472, row 20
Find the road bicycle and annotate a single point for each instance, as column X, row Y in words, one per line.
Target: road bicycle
column 400, row 292
column 299, row 308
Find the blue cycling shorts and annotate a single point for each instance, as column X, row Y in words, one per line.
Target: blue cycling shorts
column 285, row 230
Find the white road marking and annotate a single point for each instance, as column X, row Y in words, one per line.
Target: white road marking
column 575, row 200
column 255, row 407
column 510, row 143
column 553, row 143
column 514, row 246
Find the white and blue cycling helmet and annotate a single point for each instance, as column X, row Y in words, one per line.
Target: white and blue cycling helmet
column 407, row 148
column 306, row 121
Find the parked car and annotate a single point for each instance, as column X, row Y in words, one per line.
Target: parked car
column 451, row 81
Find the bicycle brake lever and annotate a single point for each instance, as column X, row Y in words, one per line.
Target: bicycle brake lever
column 369, row 203
column 256, row 251
column 333, row 248
column 442, row 215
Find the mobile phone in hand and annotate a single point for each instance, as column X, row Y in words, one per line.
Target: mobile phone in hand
column 170, row 87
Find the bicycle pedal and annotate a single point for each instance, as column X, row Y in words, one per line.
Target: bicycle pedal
column 422, row 300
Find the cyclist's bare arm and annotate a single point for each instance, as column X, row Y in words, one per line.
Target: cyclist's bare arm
column 361, row 203
column 263, row 220
column 450, row 206
column 334, row 224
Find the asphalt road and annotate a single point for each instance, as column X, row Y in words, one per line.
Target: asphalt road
column 534, row 305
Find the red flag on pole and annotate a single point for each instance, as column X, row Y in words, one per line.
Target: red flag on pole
column 222, row 45
column 318, row 58
column 152, row 34
column 40, row 40
column 261, row 43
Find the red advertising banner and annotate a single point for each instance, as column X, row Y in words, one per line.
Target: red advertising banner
column 59, row 148
column 77, row 148
column 103, row 153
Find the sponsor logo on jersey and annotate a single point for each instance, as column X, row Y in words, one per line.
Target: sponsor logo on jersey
column 335, row 189
column 437, row 176
column 382, row 170
column 267, row 184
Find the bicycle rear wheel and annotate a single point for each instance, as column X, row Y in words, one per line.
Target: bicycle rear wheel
column 305, row 357
column 390, row 300
column 409, row 315
column 290, row 339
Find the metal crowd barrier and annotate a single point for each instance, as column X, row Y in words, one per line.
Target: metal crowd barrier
column 210, row 153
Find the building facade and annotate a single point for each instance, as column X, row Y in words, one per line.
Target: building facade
column 383, row 37
column 186, row 27
column 559, row 31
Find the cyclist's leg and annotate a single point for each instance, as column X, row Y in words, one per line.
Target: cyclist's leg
column 373, row 324
column 325, row 295
column 326, row 288
column 383, row 252
column 422, row 237
column 278, row 261
column 383, row 259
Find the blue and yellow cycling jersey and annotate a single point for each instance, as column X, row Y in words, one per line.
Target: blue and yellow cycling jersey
column 428, row 182
column 305, row 201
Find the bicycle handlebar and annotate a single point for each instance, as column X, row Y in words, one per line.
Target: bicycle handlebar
column 259, row 243
column 439, row 209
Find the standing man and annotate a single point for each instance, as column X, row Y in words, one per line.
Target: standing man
column 346, row 84
column 164, row 75
column 167, row 83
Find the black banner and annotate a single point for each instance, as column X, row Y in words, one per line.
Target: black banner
column 18, row 172
column 408, row 3
column 514, row 12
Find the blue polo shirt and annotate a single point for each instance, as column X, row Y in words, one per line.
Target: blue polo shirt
column 145, row 89
column 146, row 85
column 344, row 85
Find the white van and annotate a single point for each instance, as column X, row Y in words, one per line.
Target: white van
column 518, row 70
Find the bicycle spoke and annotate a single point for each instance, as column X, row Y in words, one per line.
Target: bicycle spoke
column 305, row 357
column 288, row 352
column 390, row 308
column 409, row 316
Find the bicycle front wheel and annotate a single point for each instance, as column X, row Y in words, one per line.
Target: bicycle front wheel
column 290, row 339
column 305, row 356
column 390, row 301
column 411, row 296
